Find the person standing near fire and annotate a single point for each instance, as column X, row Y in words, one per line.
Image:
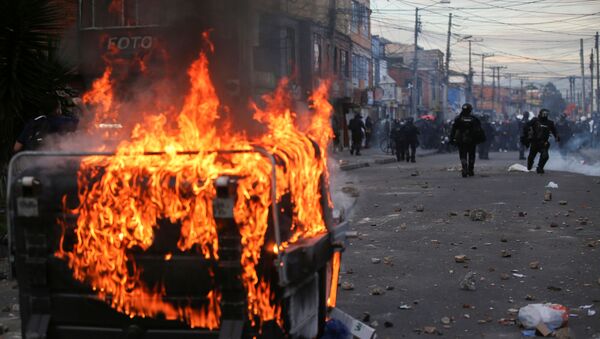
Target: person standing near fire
column 357, row 128
column 535, row 135
column 467, row 134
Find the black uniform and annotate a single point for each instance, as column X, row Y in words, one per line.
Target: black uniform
column 484, row 147
column 411, row 133
column 35, row 131
column 466, row 134
column 356, row 126
column 522, row 123
column 563, row 128
column 536, row 134
column 399, row 137
column 368, row 131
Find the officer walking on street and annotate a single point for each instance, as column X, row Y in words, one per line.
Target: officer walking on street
column 522, row 123
column 411, row 133
column 466, row 134
column 357, row 128
column 535, row 135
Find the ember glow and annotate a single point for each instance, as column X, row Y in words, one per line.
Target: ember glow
column 122, row 197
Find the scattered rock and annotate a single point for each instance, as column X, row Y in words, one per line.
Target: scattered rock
column 419, row 208
column 562, row 202
column 389, row 288
column 445, row 321
column 376, row 291
column 414, row 174
column 435, row 242
column 554, row 288
column 351, row 191
column 461, row 258
column 480, row 215
column 374, row 323
column 522, row 214
column 504, row 276
column 452, row 214
column 430, row 329
column 529, row 297
column 347, row 286
column 405, row 307
column 534, row 265
column 388, row 261
column 468, row 282
column 505, row 254
column 366, row 317
column 375, row 260
column 553, row 225
column 547, row 196
column 388, row 324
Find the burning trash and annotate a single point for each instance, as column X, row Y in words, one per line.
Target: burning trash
column 246, row 220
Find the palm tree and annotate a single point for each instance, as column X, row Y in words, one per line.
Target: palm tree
column 29, row 68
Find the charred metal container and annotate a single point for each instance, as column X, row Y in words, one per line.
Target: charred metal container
column 55, row 305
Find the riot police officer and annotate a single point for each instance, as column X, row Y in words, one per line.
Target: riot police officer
column 535, row 135
column 466, row 134
column 522, row 123
column 411, row 133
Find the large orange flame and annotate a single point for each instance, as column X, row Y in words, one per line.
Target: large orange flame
column 123, row 197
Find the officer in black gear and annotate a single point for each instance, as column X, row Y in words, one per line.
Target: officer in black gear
column 399, row 138
column 488, row 130
column 535, row 135
column 563, row 127
column 466, row 134
column 37, row 129
column 357, row 128
column 522, row 123
column 411, row 133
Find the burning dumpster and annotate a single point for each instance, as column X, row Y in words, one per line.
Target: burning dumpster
column 186, row 229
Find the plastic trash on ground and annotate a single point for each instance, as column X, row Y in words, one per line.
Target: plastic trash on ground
column 552, row 184
column 517, row 168
column 552, row 315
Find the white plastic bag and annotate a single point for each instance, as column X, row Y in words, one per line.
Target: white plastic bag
column 552, row 184
column 517, row 168
column 553, row 315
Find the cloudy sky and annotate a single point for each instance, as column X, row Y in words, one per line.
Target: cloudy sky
column 535, row 39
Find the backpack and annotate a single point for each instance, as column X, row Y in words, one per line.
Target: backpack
column 471, row 132
column 541, row 131
column 39, row 130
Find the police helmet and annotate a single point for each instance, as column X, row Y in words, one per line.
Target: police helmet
column 543, row 113
column 466, row 108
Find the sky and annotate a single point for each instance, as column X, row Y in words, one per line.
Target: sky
column 537, row 40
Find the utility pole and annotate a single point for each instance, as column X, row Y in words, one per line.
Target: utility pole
column 493, row 89
column 415, row 88
column 522, row 99
column 496, row 89
column 583, row 108
column 483, row 56
column 592, row 82
column 470, row 78
column 447, row 77
column 597, row 76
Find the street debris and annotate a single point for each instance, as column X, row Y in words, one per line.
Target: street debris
column 552, row 184
column 388, row 261
column 414, row 174
column 374, row 323
column 430, row 329
column 534, row 265
column 505, row 254
column 547, row 196
column 445, row 320
column 554, row 288
column 522, row 214
column 388, row 324
column 375, row 260
column 405, row 307
column 480, row 215
column 517, row 168
column 552, row 316
column 461, row 258
column 376, row 290
column 366, row 317
column 347, row 286
column 504, row 276
column 519, row 275
column 529, row 297
column 468, row 281
column 351, row 191
column 562, row 202
column 419, row 208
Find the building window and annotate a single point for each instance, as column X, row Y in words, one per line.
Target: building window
column 317, row 53
column 354, row 21
column 121, row 13
column 289, row 51
column 345, row 64
column 336, row 60
column 360, row 20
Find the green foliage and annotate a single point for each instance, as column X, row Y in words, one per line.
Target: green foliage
column 552, row 99
column 29, row 69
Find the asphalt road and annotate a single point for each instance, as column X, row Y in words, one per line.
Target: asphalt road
column 416, row 283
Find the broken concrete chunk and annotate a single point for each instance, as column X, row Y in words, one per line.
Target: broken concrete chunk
column 347, row 286
column 375, row 260
column 505, row 254
column 468, row 282
column 461, row 258
column 419, row 208
column 480, row 215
